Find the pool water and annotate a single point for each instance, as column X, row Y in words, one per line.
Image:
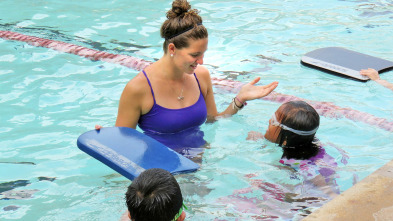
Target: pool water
column 48, row 98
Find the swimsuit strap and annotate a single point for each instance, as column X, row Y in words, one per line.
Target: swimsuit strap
column 151, row 88
column 198, row 83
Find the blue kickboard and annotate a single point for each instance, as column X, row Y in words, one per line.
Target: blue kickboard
column 130, row 152
column 344, row 62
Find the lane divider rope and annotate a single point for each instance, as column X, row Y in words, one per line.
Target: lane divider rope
column 326, row 109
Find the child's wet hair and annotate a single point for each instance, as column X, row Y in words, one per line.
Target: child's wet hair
column 154, row 195
column 300, row 116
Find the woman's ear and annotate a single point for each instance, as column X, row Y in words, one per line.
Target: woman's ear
column 171, row 48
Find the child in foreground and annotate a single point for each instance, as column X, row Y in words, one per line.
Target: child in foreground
column 155, row 195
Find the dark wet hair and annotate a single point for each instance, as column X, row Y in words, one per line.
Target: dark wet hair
column 154, row 195
column 182, row 24
column 297, row 115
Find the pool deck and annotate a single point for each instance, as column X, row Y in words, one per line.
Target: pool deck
column 370, row 199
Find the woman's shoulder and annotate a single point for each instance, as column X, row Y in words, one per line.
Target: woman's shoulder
column 137, row 85
column 204, row 79
column 202, row 72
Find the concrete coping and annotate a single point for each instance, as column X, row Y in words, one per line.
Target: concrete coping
column 370, row 199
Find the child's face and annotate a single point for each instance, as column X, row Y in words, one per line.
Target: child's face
column 272, row 131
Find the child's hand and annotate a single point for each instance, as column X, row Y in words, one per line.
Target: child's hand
column 98, row 127
column 371, row 73
column 254, row 135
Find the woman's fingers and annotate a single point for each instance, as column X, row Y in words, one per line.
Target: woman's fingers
column 272, row 85
column 269, row 88
column 250, row 91
column 255, row 80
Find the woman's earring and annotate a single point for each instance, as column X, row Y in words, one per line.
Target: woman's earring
column 171, row 55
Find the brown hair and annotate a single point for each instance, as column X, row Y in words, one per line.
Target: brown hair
column 182, row 23
column 300, row 116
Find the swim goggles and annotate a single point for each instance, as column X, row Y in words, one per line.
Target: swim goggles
column 274, row 122
column 180, row 212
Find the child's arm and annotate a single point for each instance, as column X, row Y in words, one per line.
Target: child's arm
column 385, row 83
column 319, row 181
column 374, row 75
column 254, row 135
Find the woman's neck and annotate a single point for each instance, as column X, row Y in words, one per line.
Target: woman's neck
column 167, row 69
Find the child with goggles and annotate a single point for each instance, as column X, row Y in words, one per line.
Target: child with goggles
column 293, row 127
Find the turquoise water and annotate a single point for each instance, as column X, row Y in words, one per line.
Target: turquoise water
column 48, row 98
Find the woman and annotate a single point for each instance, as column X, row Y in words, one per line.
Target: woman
column 175, row 94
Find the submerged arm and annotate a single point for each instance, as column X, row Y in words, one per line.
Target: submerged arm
column 319, row 181
column 254, row 135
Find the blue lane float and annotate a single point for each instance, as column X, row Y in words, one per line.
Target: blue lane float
column 344, row 62
column 130, row 152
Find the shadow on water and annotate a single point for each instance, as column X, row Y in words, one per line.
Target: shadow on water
column 50, row 33
column 8, row 192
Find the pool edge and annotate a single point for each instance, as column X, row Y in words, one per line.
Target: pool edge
column 370, row 199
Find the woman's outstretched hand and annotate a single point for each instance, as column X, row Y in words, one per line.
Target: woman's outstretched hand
column 98, row 127
column 250, row 91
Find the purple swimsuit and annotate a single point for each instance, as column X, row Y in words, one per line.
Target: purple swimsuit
column 175, row 127
column 322, row 164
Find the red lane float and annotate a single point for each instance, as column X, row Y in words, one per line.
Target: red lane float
column 128, row 61
column 326, row 109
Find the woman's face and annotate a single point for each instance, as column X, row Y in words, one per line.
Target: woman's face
column 272, row 131
column 192, row 56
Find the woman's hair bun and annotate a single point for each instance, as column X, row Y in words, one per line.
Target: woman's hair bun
column 179, row 8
